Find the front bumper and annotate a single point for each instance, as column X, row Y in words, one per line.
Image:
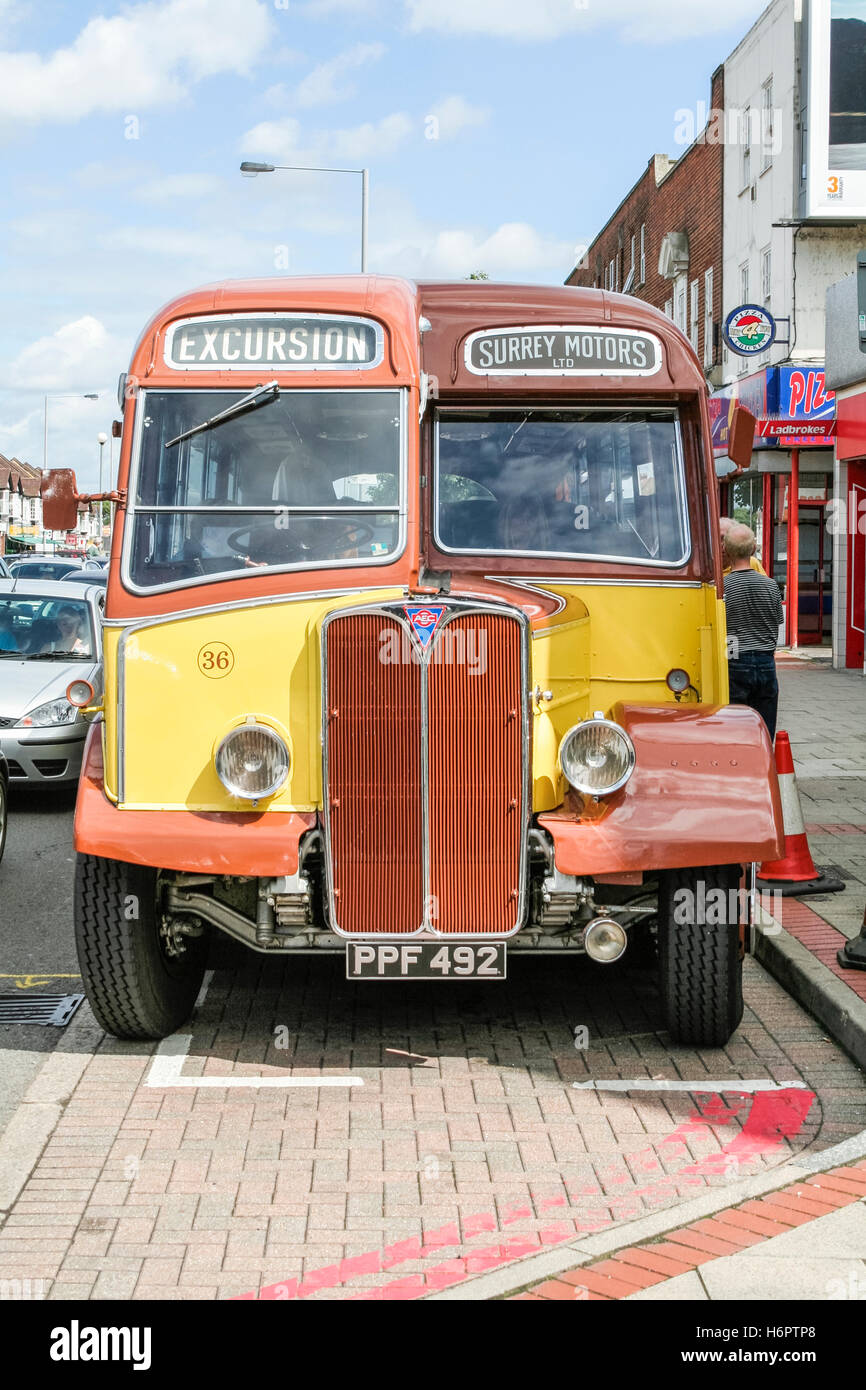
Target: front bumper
column 38, row 756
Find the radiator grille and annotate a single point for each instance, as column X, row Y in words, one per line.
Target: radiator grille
column 374, row 778
column 435, row 822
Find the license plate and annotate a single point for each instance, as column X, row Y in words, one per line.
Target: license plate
column 425, row 960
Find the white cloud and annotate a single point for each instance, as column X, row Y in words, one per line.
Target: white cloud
column 186, row 186
column 646, row 21
column 72, row 358
column 148, row 55
column 284, row 140
column 327, row 82
column 454, row 114
column 514, row 249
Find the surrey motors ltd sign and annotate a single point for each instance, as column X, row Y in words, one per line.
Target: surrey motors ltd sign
column 562, row 350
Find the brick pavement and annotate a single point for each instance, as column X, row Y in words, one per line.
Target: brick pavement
column 465, row 1148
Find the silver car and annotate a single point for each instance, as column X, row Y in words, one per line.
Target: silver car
column 50, row 635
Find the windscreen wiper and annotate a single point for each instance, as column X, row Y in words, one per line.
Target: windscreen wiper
column 263, row 395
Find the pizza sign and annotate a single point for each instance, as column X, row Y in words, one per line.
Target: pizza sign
column 749, row 330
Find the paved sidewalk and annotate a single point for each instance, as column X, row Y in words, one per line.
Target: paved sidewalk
column 806, row 1241
column 824, row 713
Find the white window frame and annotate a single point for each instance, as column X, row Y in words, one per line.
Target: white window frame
column 746, row 152
column 743, row 271
column 708, row 317
column 643, row 253
column 766, row 274
column 694, row 313
column 767, row 124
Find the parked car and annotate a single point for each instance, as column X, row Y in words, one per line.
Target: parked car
column 4, row 800
column 50, row 636
column 44, row 566
column 4, row 569
column 86, row 576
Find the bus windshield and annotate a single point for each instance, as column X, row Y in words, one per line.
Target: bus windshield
column 584, row 483
column 314, row 479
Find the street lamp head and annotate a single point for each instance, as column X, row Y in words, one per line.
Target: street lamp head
column 90, row 396
column 250, row 168
column 101, row 438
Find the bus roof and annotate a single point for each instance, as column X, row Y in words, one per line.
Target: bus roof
column 454, row 311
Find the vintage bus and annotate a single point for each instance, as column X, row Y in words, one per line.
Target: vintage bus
column 415, row 650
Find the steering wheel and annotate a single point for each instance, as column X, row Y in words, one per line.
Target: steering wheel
column 291, row 548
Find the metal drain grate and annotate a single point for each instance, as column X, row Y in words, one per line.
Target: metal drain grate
column 48, row 1009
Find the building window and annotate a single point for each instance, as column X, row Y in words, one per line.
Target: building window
column 669, row 308
column 744, row 283
column 694, row 312
column 767, row 125
column 643, row 253
column 746, row 138
column 632, row 267
column 766, row 274
column 709, row 345
column 611, row 275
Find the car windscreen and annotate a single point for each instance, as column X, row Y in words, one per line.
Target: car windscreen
column 47, row 629
column 42, row 569
column 311, row 479
column 584, row 483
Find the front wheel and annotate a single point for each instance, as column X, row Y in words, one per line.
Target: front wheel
column 140, row 980
column 700, row 964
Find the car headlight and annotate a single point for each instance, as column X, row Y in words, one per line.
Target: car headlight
column 53, row 712
column 252, row 761
column 597, row 757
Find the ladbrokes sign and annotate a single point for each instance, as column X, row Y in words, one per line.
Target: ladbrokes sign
column 560, row 350
column 234, row 342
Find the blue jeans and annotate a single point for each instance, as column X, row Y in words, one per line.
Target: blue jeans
column 753, row 682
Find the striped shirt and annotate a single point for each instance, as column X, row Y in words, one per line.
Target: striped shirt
column 754, row 609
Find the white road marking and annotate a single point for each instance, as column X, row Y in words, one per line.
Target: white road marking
column 166, row 1069
column 645, row 1084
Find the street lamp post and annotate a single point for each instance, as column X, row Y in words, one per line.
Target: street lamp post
column 60, row 396
column 102, row 440
column 251, row 167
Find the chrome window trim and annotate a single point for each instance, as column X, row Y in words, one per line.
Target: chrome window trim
column 395, row 610
column 589, row 556
column 248, row 366
column 128, row 627
column 135, row 508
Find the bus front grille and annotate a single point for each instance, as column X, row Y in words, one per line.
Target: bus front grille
column 425, row 773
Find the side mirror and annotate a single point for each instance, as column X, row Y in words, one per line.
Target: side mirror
column 59, row 500
column 741, row 436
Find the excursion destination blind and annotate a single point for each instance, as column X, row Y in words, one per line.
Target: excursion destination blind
column 562, row 350
column 240, row 341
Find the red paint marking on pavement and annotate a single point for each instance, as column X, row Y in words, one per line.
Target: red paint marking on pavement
column 773, row 1116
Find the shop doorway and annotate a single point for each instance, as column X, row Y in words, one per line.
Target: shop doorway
column 815, row 570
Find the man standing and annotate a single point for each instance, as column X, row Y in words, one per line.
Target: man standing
column 754, row 609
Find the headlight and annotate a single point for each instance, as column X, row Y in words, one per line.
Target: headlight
column 54, row 712
column 252, row 761
column 597, row 757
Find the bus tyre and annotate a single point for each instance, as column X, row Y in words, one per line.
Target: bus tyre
column 137, row 985
column 701, row 969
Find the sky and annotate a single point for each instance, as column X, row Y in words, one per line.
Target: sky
column 499, row 135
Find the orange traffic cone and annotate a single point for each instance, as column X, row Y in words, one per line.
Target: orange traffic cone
column 795, row 873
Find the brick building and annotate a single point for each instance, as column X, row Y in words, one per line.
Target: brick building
column 663, row 243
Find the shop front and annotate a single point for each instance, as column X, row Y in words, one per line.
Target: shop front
column 786, row 495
